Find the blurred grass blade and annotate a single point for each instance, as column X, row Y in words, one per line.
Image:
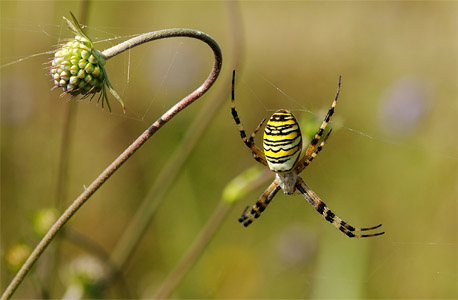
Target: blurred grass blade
column 238, row 187
column 235, row 190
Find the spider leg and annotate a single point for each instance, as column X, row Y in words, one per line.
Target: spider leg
column 315, row 152
column 320, row 131
column 249, row 142
column 321, row 207
column 248, row 216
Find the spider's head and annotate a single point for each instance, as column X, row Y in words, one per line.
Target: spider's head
column 282, row 141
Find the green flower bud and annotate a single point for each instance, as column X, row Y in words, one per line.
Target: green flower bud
column 97, row 71
column 74, row 80
column 74, row 60
column 77, row 67
column 65, row 75
column 89, row 68
column 92, row 59
column 85, row 54
column 70, row 87
column 74, row 69
column 88, row 78
column 81, row 74
column 73, row 63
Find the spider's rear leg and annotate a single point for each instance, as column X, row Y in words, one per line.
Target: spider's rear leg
column 347, row 229
column 248, row 215
column 329, row 216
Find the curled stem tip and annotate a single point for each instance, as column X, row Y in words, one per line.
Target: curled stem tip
column 130, row 150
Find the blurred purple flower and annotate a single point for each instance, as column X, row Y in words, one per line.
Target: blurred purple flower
column 296, row 244
column 403, row 106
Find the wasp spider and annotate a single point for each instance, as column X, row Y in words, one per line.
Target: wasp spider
column 282, row 145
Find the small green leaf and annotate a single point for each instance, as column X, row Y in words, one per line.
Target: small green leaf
column 76, row 28
column 112, row 91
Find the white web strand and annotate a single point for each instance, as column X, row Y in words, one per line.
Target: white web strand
column 392, row 246
column 161, row 87
column 353, row 130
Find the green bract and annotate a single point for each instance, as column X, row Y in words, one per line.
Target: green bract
column 78, row 69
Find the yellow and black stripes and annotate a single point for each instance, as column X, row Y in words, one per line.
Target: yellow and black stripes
column 329, row 216
column 282, row 141
column 249, row 142
column 247, row 216
column 282, row 145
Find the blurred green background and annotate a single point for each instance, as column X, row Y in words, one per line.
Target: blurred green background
column 391, row 160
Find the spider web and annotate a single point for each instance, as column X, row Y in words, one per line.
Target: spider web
column 392, row 144
column 301, row 107
column 60, row 33
column 102, row 38
column 395, row 246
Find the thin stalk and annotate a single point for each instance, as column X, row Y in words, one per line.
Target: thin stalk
column 117, row 163
column 64, row 166
column 194, row 252
column 240, row 186
column 139, row 224
column 67, row 132
column 167, row 176
column 65, row 149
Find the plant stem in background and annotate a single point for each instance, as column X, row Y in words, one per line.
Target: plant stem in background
column 137, row 227
column 117, row 163
column 64, row 165
column 235, row 190
column 67, row 133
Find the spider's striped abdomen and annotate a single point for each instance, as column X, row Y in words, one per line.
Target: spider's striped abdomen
column 282, row 141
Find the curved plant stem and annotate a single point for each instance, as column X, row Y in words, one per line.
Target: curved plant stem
column 137, row 227
column 94, row 186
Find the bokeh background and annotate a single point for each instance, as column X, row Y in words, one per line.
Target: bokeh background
column 392, row 158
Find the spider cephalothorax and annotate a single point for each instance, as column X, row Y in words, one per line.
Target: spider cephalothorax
column 282, row 145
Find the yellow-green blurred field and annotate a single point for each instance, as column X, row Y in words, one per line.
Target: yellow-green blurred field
column 392, row 158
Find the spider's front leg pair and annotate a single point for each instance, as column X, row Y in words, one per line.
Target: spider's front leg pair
column 249, row 142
